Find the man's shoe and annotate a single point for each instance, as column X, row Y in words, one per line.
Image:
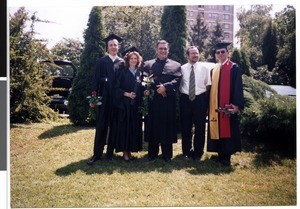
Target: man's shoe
column 188, row 156
column 216, row 159
column 93, row 159
column 226, row 163
column 109, row 158
column 196, row 159
column 226, row 160
column 167, row 160
column 151, row 158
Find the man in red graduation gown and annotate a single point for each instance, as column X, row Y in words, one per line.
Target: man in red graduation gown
column 103, row 85
column 226, row 100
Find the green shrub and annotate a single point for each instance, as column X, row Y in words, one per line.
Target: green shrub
column 272, row 121
column 249, row 121
column 277, row 122
column 256, row 88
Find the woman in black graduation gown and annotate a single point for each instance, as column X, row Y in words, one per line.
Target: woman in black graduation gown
column 128, row 93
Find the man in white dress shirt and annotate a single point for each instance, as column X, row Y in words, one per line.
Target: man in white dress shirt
column 194, row 104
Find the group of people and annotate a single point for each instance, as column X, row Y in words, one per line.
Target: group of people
column 216, row 93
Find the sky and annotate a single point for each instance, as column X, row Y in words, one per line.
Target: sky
column 69, row 19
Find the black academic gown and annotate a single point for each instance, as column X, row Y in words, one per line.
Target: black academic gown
column 233, row 144
column 127, row 130
column 160, row 124
column 103, row 84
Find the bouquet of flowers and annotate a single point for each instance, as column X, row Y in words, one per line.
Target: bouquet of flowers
column 225, row 110
column 147, row 82
column 94, row 98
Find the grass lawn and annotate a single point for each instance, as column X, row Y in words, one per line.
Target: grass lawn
column 48, row 169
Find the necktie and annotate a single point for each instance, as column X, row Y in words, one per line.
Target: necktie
column 192, row 85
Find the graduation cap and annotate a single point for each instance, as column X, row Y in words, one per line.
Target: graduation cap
column 222, row 45
column 131, row 49
column 112, row 37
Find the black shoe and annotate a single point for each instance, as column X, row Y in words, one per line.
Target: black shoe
column 226, row 163
column 151, row 158
column 167, row 160
column 93, row 159
column 226, row 160
column 196, row 159
column 187, row 156
column 109, row 157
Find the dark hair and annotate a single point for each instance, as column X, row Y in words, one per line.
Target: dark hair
column 189, row 48
column 127, row 58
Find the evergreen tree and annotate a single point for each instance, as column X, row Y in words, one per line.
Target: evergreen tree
column 94, row 48
column 240, row 58
column 199, row 34
column 236, row 57
column 174, row 31
column 28, row 79
column 269, row 46
column 216, row 36
column 245, row 63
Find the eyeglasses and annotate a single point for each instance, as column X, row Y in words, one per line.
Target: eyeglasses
column 220, row 52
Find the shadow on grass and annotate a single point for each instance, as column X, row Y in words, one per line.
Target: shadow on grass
column 142, row 164
column 267, row 155
column 62, row 130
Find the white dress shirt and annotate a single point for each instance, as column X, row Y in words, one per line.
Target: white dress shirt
column 202, row 77
column 113, row 58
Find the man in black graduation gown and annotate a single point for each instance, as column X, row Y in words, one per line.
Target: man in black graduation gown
column 103, row 83
column 160, row 124
column 226, row 100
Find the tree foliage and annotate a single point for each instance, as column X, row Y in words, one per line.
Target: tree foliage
column 242, row 60
column 198, row 34
column 68, row 49
column 29, row 81
column 139, row 26
column 174, row 31
column 269, row 46
column 245, row 63
column 286, row 32
column 94, row 48
column 270, row 43
column 253, row 24
column 215, row 37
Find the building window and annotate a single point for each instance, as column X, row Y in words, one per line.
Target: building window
column 226, row 16
column 226, row 26
column 213, row 7
column 213, row 15
column 226, row 8
column 212, row 24
column 226, row 35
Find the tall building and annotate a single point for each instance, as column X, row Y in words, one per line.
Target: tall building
column 211, row 14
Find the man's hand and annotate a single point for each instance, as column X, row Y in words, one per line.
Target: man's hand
column 234, row 109
column 161, row 89
column 92, row 105
column 131, row 95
